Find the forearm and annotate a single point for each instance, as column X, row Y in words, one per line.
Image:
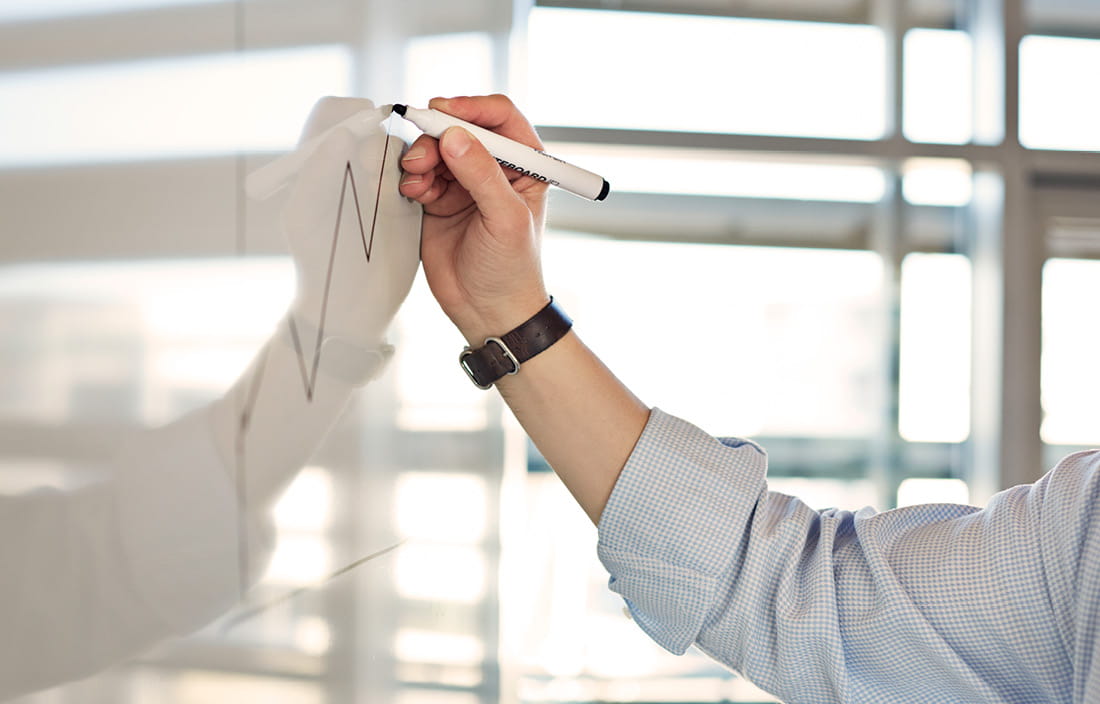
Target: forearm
column 580, row 416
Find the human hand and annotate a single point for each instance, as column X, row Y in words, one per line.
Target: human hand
column 482, row 223
column 355, row 240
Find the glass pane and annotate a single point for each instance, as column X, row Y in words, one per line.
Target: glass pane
column 166, row 108
column 122, row 345
column 447, row 64
column 1071, row 338
column 24, row 10
column 945, row 182
column 572, row 639
column 938, row 87
column 715, row 173
column 1059, row 105
column 652, row 71
column 934, row 393
column 132, row 341
column 784, row 342
column 1068, row 17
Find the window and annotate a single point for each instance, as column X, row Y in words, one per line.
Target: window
column 826, row 236
column 1055, row 111
column 757, row 76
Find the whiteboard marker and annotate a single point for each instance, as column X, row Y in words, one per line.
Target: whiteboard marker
column 520, row 157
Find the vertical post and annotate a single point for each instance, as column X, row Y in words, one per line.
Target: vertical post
column 885, row 239
column 1007, row 251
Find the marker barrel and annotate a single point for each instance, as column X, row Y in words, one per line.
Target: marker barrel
column 509, row 153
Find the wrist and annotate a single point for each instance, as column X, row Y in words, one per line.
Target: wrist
column 503, row 355
column 504, row 315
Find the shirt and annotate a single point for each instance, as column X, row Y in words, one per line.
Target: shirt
column 923, row 604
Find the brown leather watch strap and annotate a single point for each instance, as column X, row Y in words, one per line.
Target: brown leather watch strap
column 503, row 355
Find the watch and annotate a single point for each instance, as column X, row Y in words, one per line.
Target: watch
column 502, row 356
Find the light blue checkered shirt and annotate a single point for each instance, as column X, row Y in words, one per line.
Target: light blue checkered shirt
column 926, row 604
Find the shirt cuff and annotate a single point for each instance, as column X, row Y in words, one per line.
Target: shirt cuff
column 675, row 522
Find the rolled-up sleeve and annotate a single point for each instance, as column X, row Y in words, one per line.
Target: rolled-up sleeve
column 931, row 603
column 667, row 563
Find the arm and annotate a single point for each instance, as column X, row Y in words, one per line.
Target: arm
column 481, row 257
column 909, row 605
column 180, row 528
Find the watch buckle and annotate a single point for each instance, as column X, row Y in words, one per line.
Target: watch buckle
column 467, row 351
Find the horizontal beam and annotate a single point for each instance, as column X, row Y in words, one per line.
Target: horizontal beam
column 836, row 11
column 184, row 208
column 883, row 151
column 184, row 30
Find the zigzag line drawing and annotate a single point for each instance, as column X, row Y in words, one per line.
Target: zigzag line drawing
column 309, row 378
column 309, row 381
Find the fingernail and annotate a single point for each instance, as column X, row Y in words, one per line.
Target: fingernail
column 410, row 179
column 414, row 153
column 455, row 141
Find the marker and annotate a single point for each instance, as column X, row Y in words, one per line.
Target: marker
column 520, row 157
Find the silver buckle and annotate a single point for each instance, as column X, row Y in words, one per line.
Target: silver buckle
column 467, row 351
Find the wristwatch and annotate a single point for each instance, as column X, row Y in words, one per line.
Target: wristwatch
column 502, row 356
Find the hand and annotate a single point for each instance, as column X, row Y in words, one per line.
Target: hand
column 338, row 212
column 482, row 224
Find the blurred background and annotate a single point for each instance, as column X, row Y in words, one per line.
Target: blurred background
column 874, row 225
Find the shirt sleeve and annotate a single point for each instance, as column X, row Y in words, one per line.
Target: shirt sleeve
column 98, row 574
column 922, row 604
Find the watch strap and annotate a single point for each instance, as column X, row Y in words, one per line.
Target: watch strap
column 502, row 356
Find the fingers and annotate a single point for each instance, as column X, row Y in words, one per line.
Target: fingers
column 479, row 174
column 494, row 112
column 428, row 178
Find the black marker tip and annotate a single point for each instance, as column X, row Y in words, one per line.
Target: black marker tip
column 399, row 109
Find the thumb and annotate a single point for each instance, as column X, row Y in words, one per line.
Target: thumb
column 478, row 172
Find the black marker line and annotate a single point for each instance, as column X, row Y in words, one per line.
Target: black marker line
column 243, row 423
column 308, row 381
column 258, row 609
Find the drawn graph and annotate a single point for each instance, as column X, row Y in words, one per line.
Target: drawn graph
column 309, row 367
column 309, row 381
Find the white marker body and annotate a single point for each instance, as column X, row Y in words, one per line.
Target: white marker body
column 520, row 157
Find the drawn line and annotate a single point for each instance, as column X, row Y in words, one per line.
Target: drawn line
column 243, row 423
column 256, row 610
column 309, row 381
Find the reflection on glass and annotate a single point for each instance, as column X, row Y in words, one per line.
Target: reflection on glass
column 1059, row 109
column 938, row 87
column 934, row 393
column 1071, row 338
column 135, row 341
column 165, row 108
column 715, row 74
